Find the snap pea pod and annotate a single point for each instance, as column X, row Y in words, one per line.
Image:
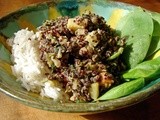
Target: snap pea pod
column 123, row 89
column 147, row 69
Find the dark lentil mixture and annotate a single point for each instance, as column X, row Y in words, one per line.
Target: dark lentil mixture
column 77, row 52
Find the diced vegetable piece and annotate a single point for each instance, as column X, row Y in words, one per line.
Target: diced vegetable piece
column 73, row 26
column 106, row 80
column 94, row 90
column 92, row 39
column 117, row 54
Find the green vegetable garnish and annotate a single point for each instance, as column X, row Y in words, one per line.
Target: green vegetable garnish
column 117, row 54
column 155, row 42
column 147, row 69
column 137, row 27
column 123, row 89
column 4, row 54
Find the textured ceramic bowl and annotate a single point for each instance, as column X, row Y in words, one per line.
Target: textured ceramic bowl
column 31, row 17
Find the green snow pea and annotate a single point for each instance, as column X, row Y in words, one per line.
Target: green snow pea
column 137, row 27
column 123, row 89
column 148, row 69
column 155, row 42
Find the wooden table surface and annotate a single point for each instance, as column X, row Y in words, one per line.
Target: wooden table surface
column 13, row 110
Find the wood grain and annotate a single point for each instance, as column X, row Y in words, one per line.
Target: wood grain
column 146, row 110
column 13, row 110
column 153, row 5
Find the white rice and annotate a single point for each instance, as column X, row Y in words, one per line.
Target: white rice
column 27, row 65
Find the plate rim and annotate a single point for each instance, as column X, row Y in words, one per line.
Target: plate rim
column 103, row 106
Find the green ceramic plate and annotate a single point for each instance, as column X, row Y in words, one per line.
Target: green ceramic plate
column 31, row 17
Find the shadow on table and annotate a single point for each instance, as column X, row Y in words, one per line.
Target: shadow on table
column 146, row 110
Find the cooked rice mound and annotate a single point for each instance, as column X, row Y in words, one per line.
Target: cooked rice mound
column 28, row 68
